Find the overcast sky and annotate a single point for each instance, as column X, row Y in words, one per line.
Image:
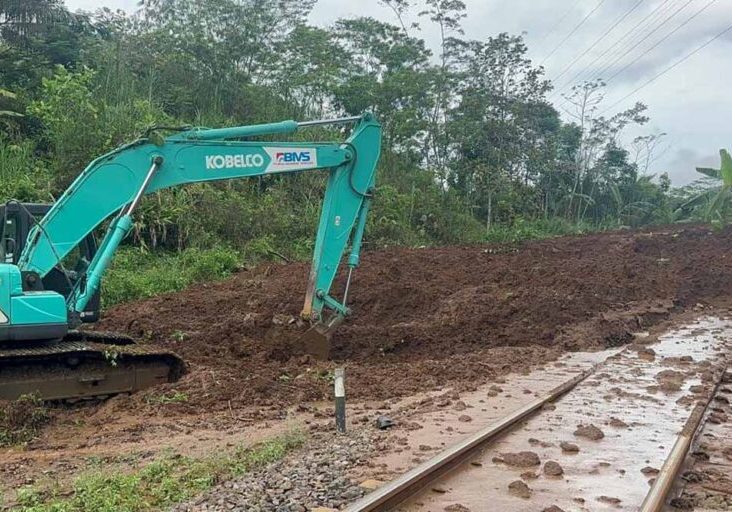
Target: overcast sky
column 691, row 103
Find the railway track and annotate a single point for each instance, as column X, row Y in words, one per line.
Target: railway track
column 649, row 403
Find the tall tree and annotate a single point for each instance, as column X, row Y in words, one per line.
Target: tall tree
column 503, row 127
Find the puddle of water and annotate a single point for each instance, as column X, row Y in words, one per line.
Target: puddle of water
column 622, row 388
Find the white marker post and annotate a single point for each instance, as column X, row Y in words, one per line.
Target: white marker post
column 340, row 399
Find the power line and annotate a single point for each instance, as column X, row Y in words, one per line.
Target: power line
column 674, row 65
column 558, row 23
column 597, row 41
column 575, row 29
column 649, row 34
column 688, row 20
column 635, row 44
column 611, row 47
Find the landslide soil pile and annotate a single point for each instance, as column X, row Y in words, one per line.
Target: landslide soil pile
column 424, row 318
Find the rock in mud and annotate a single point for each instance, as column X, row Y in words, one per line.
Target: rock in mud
column 465, row 418
column 460, row 406
column 717, row 418
column 590, row 432
column 669, row 380
column 456, row 507
column 553, row 508
column 610, row 500
column 618, row 423
column 529, row 475
column 384, row 422
column 568, row 447
column 647, row 354
column 521, row 459
column 553, row 468
column 520, row 489
column 727, row 452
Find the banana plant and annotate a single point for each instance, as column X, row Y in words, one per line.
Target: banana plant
column 717, row 199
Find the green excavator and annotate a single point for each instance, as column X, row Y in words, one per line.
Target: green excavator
column 51, row 266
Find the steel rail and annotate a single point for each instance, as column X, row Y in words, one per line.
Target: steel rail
column 397, row 491
column 655, row 500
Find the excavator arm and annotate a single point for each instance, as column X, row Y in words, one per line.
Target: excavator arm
column 112, row 186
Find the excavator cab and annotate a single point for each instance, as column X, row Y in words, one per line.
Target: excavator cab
column 18, row 219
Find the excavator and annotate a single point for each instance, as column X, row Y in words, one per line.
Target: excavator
column 51, row 266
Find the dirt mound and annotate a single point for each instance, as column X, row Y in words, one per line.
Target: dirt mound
column 429, row 317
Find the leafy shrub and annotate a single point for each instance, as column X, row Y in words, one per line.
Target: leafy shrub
column 208, row 264
column 137, row 274
column 22, row 175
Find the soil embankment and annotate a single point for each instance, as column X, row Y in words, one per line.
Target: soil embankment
column 424, row 318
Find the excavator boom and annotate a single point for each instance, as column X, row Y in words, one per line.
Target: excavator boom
column 112, row 186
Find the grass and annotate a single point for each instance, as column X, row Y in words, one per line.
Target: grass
column 137, row 274
column 162, row 483
column 174, row 397
column 522, row 230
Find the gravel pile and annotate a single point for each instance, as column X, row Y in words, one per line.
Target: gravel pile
column 316, row 476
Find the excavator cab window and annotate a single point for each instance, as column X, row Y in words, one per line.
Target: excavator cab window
column 18, row 223
column 8, row 253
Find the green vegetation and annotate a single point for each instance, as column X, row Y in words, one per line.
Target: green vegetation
column 473, row 150
column 714, row 202
column 21, row 420
column 175, row 397
column 168, row 480
column 138, row 273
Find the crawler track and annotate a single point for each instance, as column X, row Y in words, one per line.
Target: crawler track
column 85, row 366
column 607, row 465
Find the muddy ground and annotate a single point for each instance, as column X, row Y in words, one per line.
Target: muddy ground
column 425, row 318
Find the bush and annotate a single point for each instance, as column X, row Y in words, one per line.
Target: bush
column 138, row 274
column 22, row 175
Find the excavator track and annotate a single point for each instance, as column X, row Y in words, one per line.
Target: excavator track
column 85, row 366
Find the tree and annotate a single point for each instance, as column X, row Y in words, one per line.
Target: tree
column 598, row 134
column 503, row 127
column 36, row 35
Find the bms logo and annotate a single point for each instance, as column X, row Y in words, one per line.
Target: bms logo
column 284, row 159
column 292, row 157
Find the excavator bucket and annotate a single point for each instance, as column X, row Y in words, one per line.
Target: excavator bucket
column 316, row 340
